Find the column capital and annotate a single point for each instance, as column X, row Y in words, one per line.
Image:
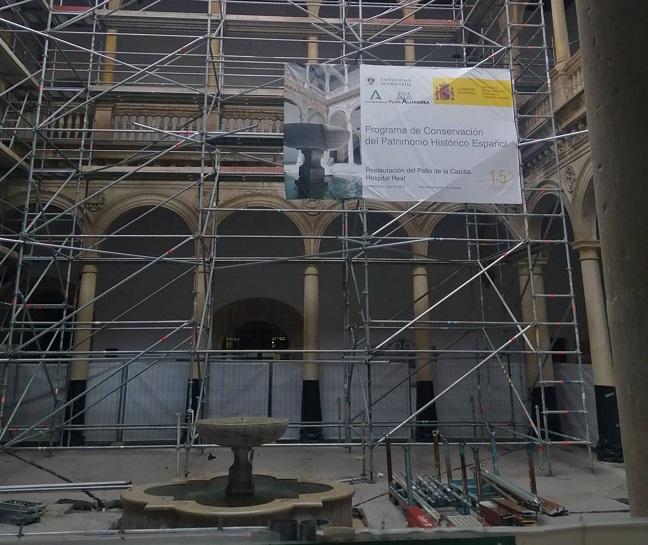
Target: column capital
column 313, row 7
column 89, row 268
column 409, row 8
column 419, row 269
column 587, row 249
column 538, row 264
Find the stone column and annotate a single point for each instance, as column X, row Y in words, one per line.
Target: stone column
column 607, row 412
column 561, row 38
column 410, row 51
column 422, row 341
column 410, row 47
column 214, row 46
column 611, row 40
column 539, row 336
column 313, row 49
column 79, row 367
column 515, row 16
column 311, row 409
column 214, row 70
column 108, row 65
column 350, row 158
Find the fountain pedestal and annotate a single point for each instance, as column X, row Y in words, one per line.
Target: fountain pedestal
column 240, row 481
column 313, row 139
column 311, row 181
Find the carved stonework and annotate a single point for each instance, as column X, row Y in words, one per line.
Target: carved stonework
column 96, row 203
column 312, row 204
column 570, row 178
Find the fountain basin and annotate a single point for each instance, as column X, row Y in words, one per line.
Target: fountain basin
column 195, row 502
column 241, row 431
column 313, row 136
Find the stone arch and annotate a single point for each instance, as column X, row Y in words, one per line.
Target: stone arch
column 144, row 200
column 541, row 189
column 60, row 201
column 339, row 113
column 272, row 202
column 587, row 220
column 584, row 217
column 410, row 228
column 254, row 309
column 333, row 73
column 548, row 189
column 297, row 106
column 314, row 116
column 430, row 221
column 158, row 291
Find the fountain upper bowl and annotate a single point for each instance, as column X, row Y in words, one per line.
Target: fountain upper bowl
column 241, row 431
column 314, row 136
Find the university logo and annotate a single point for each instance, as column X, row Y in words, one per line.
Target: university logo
column 371, row 80
column 375, row 95
column 443, row 92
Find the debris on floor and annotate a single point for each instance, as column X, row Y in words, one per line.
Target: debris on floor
column 20, row 512
column 486, row 499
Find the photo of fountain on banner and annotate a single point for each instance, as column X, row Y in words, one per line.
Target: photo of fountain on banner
column 400, row 134
column 322, row 132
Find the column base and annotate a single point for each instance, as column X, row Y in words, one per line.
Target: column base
column 551, row 401
column 75, row 437
column 608, row 448
column 311, row 411
column 424, row 394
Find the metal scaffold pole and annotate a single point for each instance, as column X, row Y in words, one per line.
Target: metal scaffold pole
column 145, row 224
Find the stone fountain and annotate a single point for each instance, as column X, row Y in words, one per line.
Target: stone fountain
column 240, row 498
column 313, row 139
column 241, row 434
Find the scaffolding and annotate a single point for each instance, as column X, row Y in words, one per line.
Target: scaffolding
column 107, row 96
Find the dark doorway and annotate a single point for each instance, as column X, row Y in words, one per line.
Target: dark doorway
column 266, row 339
column 262, row 336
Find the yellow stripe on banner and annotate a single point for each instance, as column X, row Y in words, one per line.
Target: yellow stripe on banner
column 472, row 92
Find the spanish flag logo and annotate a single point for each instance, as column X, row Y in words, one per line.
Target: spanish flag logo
column 472, row 92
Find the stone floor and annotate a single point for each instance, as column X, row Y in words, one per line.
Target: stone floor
column 591, row 494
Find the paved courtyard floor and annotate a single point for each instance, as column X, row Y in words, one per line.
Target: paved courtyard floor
column 592, row 494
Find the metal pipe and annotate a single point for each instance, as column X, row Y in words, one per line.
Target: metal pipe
column 388, row 454
column 448, row 461
column 437, row 454
column 245, row 67
column 464, row 473
column 532, row 476
column 477, row 468
column 63, row 487
column 167, row 446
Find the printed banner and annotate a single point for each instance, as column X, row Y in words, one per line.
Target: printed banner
column 438, row 134
column 400, row 133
